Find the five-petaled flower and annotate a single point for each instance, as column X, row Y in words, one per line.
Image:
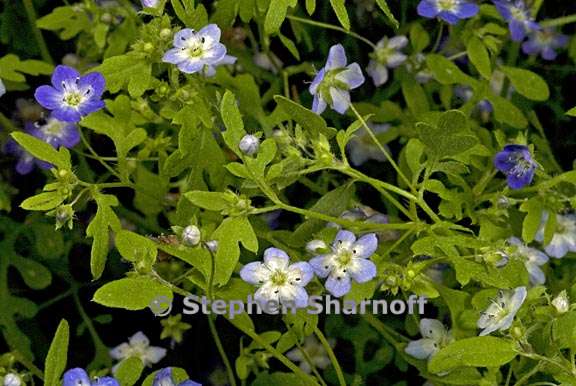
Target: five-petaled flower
column 197, row 51
column 545, row 42
column 500, row 313
column 516, row 162
column 517, row 14
column 139, row 346
column 362, row 147
column 279, row 281
column 164, row 378
column 312, row 352
column 564, row 238
column 333, row 83
column 451, row 11
column 79, row 377
column 434, row 337
column 533, row 259
column 387, row 54
column 72, row 96
column 348, row 260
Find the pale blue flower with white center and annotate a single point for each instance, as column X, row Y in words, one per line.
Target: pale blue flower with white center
column 534, row 259
column 164, row 378
column 348, row 260
column 435, row 336
column 501, row 312
column 333, row 83
column 2, row 88
column 564, row 239
column 194, row 50
column 451, row 11
column 138, row 346
column 79, row 377
column 362, row 148
column 387, row 55
column 279, row 281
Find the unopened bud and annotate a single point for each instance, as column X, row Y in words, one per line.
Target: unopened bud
column 12, row 379
column 561, row 302
column 165, row 33
column 249, row 144
column 191, row 236
column 212, row 245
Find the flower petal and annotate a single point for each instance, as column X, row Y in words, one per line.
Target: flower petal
column 154, row 355
column 467, row 10
column 427, row 8
column 139, row 340
column 48, row 97
column 352, row 76
column 255, row 273
column 319, row 104
column 293, row 295
column 276, row 259
column 421, row 349
column 398, row 42
column 174, row 56
column 362, row 270
column 432, row 329
column 76, row 377
column 106, row 381
column 211, row 33
column 336, row 57
column 63, row 74
column 340, row 99
column 322, row 265
column 378, row 72
column 182, row 36
column 338, row 285
column 365, row 246
column 300, row 273
column 67, row 114
column 95, row 80
column 344, row 239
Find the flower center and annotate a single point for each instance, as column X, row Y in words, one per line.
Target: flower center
column 73, row 99
column 447, row 5
column 521, row 167
column 53, row 128
column 518, row 13
column 279, row 278
column 196, row 47
column 344, row 258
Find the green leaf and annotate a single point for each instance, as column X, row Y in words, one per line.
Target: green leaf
column 233, row 122
column 446, row 72
column 232, row 232
column 70, row 19
column 479, row 57
column 43, row 151
column 289, row 44
column 339, row 8
column 99, row 229
column 128, row 371
column 131, row 293
column 43, row 201
column 449, row 137
column 57, row 355
column 275, row 16
column 135, row 248
column 35, row 275
column 310, row 121
column 415, row 96
column 310, row 6
column 533, row 208
column 384, row 7
column 571, row 112
column 419, row 37
column 208, row 200
column 527, row 83
column 12, row 68
column 130, row 71
column 481, row 351
column 507, row 112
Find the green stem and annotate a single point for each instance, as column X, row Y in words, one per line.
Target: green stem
column 31, row 14
column 29, row 365
column 332, row 27
column 438, row 38
column 559, row 21
column 331, row 355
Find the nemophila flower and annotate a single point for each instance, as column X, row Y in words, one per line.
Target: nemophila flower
column 249, row 144
column 333, row 83
column 564, row 239
column 348, row 260
column 194, row 50
column 79, row 377
column 545, row 42
column 2, row 88
column 517, row 14
column 516, row 162
column 561, row 302
column 278, row 280
column 434, row 337
column 55, row 132
column 316, row 354
column 387, row 54
column 451, row 11
column 12, row 379
column 164, row 378
column 500, row 313
column 72, row 96
column 362, row 148
column 533, row 260
column 139, row 346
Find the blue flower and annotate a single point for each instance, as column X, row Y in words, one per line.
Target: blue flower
column 333, row 83
column 79, row 377
column 516, row 162
column 348, row 260
column 451, row 11
column 387, row 54
column 164, row 378
column 278, row 280
column 194, row 50
column 434, row 337
column 517, row 14
column 55, row 132
column 500, row 313
column 545, row 42
column 564, row 238
column 71, row 96
column 533, row 260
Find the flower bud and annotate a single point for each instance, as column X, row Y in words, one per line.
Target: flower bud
column 148, row 47
column 316, row 246
column 12, row 379
column 64, row 216
column 561, row 302
column 249, row 144
column 191, row 236
column 165, row 33
column 212, row 245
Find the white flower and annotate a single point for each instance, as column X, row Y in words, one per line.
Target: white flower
column 280, row 282
column 315, row 352
column 435, row 337
column 12, row 379
column 561, row 302
column 533, row 260
column 191, row 235
column 139, row 346
column 564, row 239
column 249, row 144
column 500, row 314
column 2, row 88
column 387, row 54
